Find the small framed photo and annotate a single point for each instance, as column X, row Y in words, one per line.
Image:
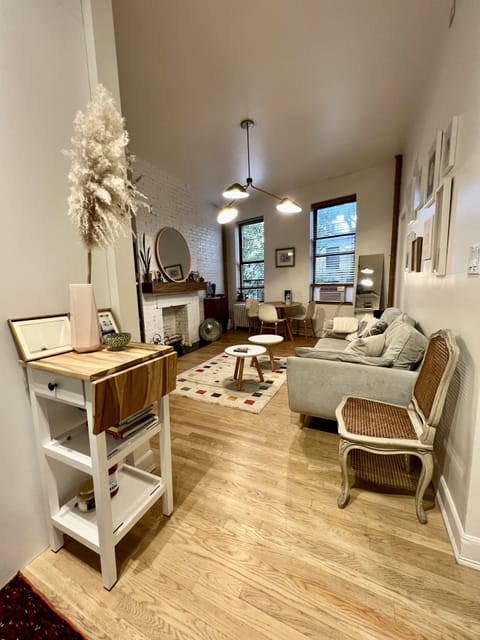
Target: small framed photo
column 418, row 190
column 408, row 205
column 449, row 147
column 409, row 251
column 41, row 337
column 174, row 272
column 433, row 169
column 285, row 257
column 427, row 238
column 441, row 227
column 417, row 254
column 107, row 321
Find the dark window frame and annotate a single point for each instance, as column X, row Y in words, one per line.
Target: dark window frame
column 245, row 290
column 316, row 208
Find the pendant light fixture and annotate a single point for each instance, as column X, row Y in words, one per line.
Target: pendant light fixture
column 237, row 191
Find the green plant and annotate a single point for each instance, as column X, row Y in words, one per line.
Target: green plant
column 145, row 255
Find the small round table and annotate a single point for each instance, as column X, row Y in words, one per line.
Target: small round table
column 267, row 340
column 240, row 352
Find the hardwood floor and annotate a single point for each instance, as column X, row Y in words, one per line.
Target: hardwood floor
column 257, row 549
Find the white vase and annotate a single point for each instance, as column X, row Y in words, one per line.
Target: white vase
column 84, row 325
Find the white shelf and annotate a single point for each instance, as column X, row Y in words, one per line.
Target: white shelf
column 73, row 448
column 138, row 491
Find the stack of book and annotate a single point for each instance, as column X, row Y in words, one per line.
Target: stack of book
column 140, row 420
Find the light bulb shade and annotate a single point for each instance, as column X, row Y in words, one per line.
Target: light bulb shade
column 227, row 214
column 235, row 192
column 367, row 270
column 366, row 282
column 288, row 206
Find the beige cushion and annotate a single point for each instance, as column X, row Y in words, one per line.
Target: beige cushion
column 404, row 345
column 345, row 325
column 372, row 346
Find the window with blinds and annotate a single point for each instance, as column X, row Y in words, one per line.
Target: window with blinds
column 334, row 226
column 251, row 244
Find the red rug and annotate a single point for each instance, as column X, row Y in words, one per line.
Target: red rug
column 25, row 614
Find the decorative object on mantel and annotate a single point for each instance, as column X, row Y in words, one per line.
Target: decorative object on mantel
column 146, row 258
column 238, row 191
column 101, row 202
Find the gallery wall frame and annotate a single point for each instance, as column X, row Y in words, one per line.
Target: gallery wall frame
column 449, row 147
column 418, row 189
column 416, row 259
column 285, row 257
column 409, row 250
column 432, row 169
column 441, row 227
column 427, row 238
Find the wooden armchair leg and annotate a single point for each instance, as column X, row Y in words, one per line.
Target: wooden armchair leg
column 343, row 451
column 423, row 482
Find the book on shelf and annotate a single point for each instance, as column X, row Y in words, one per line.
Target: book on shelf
column 127, row 430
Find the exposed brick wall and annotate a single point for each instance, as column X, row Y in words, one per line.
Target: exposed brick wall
column 173, row 206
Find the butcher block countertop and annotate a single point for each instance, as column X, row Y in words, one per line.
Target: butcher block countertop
column 101, row 363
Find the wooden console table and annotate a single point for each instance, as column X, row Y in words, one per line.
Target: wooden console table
column 75, row 397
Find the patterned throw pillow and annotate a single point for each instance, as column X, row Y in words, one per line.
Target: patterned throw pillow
column 378, row 328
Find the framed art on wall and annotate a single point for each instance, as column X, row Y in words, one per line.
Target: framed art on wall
column 449, row 146
column 285, row 257
column 433, row 169
column 418, row 190
column 427, row 238
column 441, row 227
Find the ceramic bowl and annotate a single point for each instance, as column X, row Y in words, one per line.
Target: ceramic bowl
column 117, row 341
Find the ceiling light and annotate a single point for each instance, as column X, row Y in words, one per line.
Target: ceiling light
column 238, row 191
column 367, row 270
column 227, row 214
column 366, row 282
column 235, row 192
column 288, row 206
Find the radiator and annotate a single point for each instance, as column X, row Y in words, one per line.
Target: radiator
column 240, row 318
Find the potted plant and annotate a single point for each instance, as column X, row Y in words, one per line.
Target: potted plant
column 146, row 258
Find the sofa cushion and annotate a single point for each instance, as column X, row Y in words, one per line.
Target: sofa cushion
column 331, row 344
column 404, row 345
column 342, row 356
column 372, row 346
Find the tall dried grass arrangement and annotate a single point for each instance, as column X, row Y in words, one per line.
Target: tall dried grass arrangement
column 102, row 195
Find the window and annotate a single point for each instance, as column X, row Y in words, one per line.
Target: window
column 334, row 224
column 251, row 243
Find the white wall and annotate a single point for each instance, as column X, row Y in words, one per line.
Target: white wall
column 45, row 80
column 453, row 301
column 374, row 189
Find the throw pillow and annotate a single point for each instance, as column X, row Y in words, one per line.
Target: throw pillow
column 365, row 324
column 345, row 325
column 370, row 347
column 405, row 346
column 376, row 329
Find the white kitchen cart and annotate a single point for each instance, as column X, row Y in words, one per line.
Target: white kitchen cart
column 75, row 397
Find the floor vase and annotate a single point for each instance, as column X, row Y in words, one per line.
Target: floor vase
column 84, row 325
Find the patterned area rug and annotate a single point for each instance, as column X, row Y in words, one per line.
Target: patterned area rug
column 25, row 614
column 213, row 382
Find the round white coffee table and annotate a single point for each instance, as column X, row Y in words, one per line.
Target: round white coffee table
column 268, row 340
column 240, row 352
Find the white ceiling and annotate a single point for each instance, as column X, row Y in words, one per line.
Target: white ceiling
column 330, row 84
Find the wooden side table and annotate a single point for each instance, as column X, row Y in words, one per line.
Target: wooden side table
column 240, row 352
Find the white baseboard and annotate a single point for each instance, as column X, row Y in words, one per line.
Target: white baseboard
column 465, row 547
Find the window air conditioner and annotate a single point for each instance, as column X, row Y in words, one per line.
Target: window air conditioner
column 332, row 294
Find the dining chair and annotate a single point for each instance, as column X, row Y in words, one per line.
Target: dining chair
column 390, row 429
column 306, row 318
column 251, row 307
column 268, row 316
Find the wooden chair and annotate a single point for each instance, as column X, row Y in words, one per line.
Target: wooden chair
column 390, row 429
column 306, row 318
column 251, row 307
column 268, row 316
